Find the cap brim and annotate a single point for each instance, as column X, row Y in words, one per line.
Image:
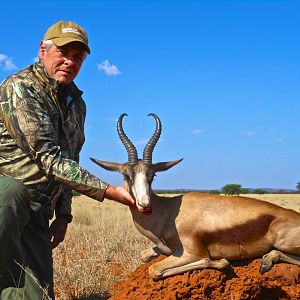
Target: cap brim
column 66, row 40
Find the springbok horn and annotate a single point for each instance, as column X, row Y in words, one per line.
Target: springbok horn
column 147, row 154
column 131, row 150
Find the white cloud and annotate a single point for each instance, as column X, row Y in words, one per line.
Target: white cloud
column 108, row 68
column 35, row 59
column 247, row 133
column 6, row 63
column 197, row 131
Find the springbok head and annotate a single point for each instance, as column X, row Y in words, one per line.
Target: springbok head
column 138, row 173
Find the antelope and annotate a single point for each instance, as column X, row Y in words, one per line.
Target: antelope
column 198, row 230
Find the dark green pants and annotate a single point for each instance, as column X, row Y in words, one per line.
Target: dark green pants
column 26, row 270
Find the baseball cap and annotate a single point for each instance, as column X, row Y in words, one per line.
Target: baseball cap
column 64, row 32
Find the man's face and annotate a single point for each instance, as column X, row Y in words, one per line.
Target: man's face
column 63, row 63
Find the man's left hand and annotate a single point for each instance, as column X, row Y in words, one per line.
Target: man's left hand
column 58, row 229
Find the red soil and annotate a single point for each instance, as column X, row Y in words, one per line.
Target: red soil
column 242, row 281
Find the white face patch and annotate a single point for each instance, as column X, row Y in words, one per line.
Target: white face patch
column 140, row 190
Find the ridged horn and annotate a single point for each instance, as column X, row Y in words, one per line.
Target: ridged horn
column 147, row 154
column 130, row 148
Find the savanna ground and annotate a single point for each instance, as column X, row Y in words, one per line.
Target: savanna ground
column 99, row 259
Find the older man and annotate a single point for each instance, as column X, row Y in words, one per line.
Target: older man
column 42, row 119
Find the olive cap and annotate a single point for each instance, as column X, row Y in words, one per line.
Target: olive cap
column 64, row 32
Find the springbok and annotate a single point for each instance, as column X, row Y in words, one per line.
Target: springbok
column 198, row 230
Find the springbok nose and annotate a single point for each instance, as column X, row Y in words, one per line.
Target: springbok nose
column 144, row 202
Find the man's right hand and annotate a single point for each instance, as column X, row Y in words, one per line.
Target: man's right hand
column 119, row 194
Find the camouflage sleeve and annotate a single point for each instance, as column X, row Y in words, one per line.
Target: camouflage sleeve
column 63, row 206
column 28, row 122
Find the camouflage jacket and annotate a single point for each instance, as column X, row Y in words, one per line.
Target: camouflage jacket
column 41, row 135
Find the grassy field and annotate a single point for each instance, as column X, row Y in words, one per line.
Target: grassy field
column 102, row 246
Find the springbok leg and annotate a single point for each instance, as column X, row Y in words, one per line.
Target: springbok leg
column 173, row 265
column 275, row 256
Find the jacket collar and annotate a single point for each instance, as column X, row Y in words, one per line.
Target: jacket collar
column 48, row 82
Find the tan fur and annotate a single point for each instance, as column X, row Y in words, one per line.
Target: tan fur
column 199, row 230
column 201, row 226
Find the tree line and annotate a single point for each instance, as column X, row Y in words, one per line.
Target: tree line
column 228, row 189
column 231, row 189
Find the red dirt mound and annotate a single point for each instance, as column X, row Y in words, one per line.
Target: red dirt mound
column 242, row 281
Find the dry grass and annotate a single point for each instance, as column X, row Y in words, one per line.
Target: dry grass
column 102, row 245
column 291, row 201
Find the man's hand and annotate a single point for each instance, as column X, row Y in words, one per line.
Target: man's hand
column 58, row 229
column 119, row 194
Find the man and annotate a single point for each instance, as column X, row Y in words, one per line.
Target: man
column 41, row 134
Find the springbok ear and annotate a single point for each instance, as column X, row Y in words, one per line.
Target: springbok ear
column 110, row 166
column 163, row 166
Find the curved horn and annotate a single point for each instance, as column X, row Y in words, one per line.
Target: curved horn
column 147, row 154
column 131, row 150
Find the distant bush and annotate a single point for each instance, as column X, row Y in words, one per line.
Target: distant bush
column 281, row 191
column 232, row 189
column 179, row 191
column 245, row 191
column 259, row 191
column 215, row 192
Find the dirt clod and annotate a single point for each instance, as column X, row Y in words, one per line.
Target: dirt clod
column 242, row 281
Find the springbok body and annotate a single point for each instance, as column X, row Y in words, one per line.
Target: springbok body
column 199, row 230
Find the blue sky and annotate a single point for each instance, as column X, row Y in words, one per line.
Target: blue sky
column 223, row 76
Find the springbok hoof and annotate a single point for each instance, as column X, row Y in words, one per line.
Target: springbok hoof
column 264, row 268
column 155, row 275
